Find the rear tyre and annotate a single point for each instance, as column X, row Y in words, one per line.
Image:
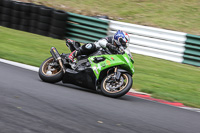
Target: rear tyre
column 112, row 88
column 43, row 26
column 46, row 11
column 60, row 15
column 44, row 19
column 48, row 73
column 58, row 23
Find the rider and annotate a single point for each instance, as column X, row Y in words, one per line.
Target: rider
column 113, row 43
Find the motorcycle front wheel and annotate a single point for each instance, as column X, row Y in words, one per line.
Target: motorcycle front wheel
column 112, row 88
column 49, row 72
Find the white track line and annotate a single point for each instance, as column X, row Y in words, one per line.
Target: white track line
column 32, row 68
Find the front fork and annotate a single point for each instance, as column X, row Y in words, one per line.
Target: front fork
column 117, row 73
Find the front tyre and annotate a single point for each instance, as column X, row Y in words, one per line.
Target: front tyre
column 50, row 71
column 112, row 88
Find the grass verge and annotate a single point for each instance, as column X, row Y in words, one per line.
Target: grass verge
column 163, row 79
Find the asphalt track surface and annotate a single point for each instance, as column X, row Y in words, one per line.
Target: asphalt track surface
column 28, row 105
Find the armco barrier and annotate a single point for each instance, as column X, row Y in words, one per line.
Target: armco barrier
column 155, row 42
column 146, row 31
column 85, row 29
column 176, row 57
column 165, row 44
column 192, row 52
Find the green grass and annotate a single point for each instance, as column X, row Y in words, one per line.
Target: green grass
column 167, row 80
column 27, row 48
column 163, row 79
column 178, row 15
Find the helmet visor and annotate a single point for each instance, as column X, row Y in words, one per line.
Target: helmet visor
column 123, row 43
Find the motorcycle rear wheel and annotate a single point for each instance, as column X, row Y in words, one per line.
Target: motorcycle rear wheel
column 121, row 87
column 48, row 73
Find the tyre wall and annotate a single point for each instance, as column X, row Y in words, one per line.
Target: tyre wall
column 33, row 18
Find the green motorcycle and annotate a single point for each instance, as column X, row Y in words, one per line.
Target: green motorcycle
column 111, row 74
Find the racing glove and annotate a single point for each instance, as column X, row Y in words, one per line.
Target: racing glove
column 111, row 47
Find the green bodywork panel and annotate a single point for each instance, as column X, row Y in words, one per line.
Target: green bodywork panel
column 124, row 61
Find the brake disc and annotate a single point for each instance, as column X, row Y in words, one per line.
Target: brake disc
column 112, row 86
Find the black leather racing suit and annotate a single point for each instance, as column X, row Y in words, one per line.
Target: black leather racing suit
column 90, row 48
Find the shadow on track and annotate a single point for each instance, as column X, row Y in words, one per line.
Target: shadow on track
column 71, row 86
